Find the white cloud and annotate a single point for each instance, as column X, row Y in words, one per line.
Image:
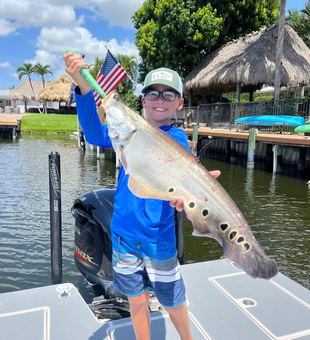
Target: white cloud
column 118, row 12
column 16, row 14
column 56, row 41
column 6, row 64
column 7, row 27
column 52, row 43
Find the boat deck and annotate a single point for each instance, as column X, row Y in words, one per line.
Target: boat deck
column 223, row 303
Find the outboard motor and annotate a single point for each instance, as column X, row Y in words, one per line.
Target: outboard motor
column 93, row 245
column 93, row 251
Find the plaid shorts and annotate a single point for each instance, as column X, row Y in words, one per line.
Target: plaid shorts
column 139, row 266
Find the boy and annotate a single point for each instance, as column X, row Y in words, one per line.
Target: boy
column 143, row 232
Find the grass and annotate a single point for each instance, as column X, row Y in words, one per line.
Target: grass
column 48, row 124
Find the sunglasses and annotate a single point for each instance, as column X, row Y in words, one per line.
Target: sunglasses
column 169, row 96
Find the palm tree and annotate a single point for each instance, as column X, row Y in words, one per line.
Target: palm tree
column 129, row 63
column 42, row 71
column 26, row 70
column 301, row 23
column 95, row 68
column 277, row 80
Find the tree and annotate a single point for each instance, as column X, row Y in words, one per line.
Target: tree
column 179, row 34
column 12, row 87
column 26, row 70
column 301, row 22
column 277, row 80
column 95, row 68
column 42, row 71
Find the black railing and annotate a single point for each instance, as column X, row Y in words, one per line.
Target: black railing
column 223, row 115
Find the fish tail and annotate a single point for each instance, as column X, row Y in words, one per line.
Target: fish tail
column 254, row 262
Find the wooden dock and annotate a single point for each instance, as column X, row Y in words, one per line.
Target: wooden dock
column 8, row 127
column 13, row 123
column 272, row 138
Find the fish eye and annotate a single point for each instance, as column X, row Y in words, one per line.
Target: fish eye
column 116, row 97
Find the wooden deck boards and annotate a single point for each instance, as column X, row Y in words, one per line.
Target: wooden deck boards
column 9, row 122
column 273, row 138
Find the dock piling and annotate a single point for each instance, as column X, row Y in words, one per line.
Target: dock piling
column 301, row 160
column 195, row 137
column 232, row 152
column 251, row 149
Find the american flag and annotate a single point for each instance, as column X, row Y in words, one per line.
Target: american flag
column 109, row 76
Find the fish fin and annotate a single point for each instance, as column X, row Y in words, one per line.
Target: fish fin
column 141, row 190
column 254, row 261
column 197, row 233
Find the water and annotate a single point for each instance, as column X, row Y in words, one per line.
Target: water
column 276, row 207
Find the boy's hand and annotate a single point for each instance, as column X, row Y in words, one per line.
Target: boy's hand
column 179, row 205
column 74, row 63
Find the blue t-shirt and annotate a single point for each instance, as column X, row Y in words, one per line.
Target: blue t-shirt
column 147, row 220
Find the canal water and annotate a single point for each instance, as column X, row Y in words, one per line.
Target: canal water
column 276, row 207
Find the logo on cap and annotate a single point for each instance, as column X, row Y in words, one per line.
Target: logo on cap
column 162, row 75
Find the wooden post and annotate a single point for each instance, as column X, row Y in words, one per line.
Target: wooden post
column 277, row 159
column 237, row 104
column 232, row 152
column 100, row 153
column 301, row 160
column 251, row 149
column 190, row 98
column 195, row 137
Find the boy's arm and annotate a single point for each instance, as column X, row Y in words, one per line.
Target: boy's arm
column 95, row 133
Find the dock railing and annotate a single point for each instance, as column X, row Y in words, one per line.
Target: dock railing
column 223, row 115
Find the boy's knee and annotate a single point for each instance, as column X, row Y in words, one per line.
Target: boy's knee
column 139, row 300
column 176, row 310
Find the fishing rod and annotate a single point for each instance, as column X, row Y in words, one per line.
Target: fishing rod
column 91, row 81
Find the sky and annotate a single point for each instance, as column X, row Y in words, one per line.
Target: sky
column 42, row 30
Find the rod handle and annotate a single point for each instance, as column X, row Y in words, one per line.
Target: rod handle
column 91, row 81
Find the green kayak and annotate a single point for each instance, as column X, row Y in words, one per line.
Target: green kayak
column 303, row 128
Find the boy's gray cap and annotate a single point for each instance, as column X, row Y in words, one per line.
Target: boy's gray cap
column 163, row 76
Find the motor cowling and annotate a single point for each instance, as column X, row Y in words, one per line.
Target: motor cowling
column 93, row 245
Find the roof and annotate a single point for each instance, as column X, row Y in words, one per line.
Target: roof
column 251, row 61
column 4, row 93
column 58, row 91
column 23, row 91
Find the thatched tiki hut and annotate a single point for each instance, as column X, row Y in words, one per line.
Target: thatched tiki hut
column 58, row 91
column 23, row 92
column 249, row 62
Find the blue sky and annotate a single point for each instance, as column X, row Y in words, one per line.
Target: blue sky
column 42, row 30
